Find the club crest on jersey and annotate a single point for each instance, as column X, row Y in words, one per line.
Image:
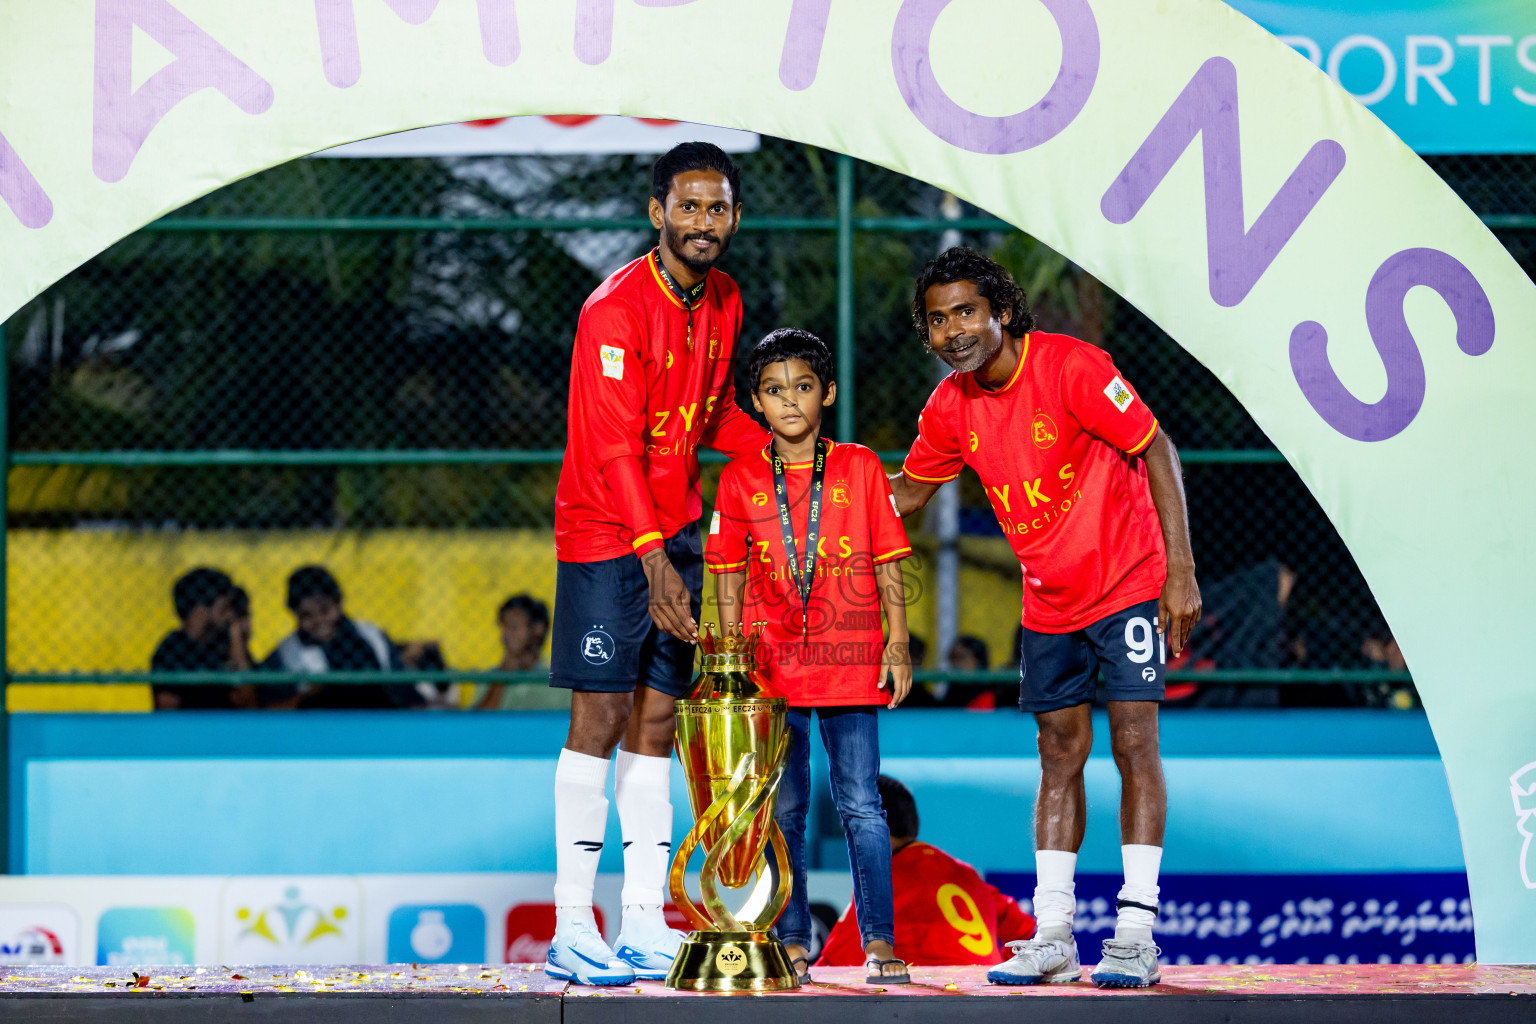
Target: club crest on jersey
column 760, row 498
column 1118, row 393
column 597, row 647
column 1043, row 430
column 613, row 362
column 838, row 494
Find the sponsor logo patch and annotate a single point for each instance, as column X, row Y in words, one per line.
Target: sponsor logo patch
column 894, row 507
column 613, row 362
column 714, row 523
column 1118, row 393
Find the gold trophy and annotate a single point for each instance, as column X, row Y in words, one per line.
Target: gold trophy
column 731, row 741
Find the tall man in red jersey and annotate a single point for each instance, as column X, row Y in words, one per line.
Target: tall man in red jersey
column 1087, row 488
column 650, row 382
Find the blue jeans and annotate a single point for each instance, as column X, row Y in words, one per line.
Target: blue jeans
column 852, row 738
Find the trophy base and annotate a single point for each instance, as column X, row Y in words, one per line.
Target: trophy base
column 732, row 962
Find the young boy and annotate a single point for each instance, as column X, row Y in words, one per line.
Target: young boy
column 806, row 537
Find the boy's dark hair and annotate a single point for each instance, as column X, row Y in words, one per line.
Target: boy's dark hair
column 992, row 280
column 788, row 343
column 536, row 610
column 900, row 808
column 693, row 156
column 199, row 588
column 312, row 581
column 240, row 602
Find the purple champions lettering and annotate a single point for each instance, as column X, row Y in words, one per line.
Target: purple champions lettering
column 594, row 26
column 343, row 62
column 913, row 64
column 803, row 42
column 1208, row 108
column 20, row 190
column 124, row 117
column 1409, row 269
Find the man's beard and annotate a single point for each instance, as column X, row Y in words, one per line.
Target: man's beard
column 973, row 359
column 678, row 244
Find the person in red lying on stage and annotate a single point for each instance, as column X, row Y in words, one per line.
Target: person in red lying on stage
column 946, row 913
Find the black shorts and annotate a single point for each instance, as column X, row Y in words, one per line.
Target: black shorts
column 1060, row 670
column 603, row 638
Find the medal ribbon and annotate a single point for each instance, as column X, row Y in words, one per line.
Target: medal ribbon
column 804, row 580
column 686, row 296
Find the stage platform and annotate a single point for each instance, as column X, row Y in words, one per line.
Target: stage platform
column 1467, row 994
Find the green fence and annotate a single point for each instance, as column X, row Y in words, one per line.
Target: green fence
column 364, row 363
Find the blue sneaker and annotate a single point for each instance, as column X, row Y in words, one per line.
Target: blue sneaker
column 1038, row 962
column 648, row 946
column 579, row 954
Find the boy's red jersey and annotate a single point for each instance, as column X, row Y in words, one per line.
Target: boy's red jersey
column 946, row 913
column 646, row 391
column 838, row 659
column 1053, row 448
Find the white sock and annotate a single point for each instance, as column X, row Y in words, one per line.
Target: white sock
column 1055, row 894
column 581, row 817
column 1134, row 924
column 643, row 791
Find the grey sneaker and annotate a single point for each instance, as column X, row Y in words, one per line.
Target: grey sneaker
column 1128, row 965
column 1038, row 962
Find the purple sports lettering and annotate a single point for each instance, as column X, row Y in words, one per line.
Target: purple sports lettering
column 1409, row 269
column 124, row 118
column 802, row 43
column 1208, row 108
column 21, row 191
column 339, row 52
column 995, row 135
column 594, row 26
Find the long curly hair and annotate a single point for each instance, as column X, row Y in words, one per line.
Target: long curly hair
column 992, row 281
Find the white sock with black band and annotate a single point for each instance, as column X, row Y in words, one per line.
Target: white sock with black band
column 642, row 790
column 1055, row 894
column 581, row 817
column 1137, row 904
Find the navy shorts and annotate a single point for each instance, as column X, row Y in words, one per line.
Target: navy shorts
column 1060, row 670
column 603, row 638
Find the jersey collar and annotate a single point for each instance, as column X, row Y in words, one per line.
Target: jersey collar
column 1018, row 371
column 831, row 444
column 682, row 298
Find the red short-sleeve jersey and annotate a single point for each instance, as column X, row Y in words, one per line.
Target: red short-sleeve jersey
column 646, row 391
column 946, row 913
column 1054, row 448
column 838, row 658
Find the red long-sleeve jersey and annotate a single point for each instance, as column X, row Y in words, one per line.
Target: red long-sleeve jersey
column 646, row 391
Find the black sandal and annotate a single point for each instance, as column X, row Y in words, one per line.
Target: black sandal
column 874, row 971
column 802, row 974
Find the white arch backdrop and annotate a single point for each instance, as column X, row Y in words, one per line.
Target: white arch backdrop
column 1372, row 326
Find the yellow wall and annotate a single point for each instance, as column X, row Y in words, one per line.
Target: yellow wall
column 100, row 601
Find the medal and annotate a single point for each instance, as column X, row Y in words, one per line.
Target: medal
column 804, row 580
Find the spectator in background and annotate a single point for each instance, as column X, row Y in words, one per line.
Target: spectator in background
column 326, row 640
column 969, row 654
column 206, row 642
column 946, row 913
column 524, row 623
